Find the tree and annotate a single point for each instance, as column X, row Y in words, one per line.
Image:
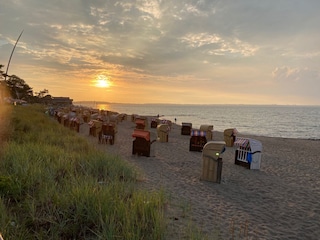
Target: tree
column 18, row 88
column 42, row 93
column 2, row 84
column 15, row 87
column 43, row 96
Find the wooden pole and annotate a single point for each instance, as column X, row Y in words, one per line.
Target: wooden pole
column 6, row 74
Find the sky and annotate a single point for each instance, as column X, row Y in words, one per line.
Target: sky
column 166, row 51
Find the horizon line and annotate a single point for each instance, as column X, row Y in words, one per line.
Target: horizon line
column 208, row 104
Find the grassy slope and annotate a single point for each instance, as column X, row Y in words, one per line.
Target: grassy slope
column 53, row 185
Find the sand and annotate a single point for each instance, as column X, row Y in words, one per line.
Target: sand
column 278, row 201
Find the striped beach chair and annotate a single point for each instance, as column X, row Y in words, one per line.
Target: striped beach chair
column 197, row 140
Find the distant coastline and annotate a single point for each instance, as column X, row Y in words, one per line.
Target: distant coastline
column 195, row 104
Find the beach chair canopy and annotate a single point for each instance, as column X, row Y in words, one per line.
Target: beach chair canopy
column 138, row 133
column 230, row 132
column 140, row 121
column 163, row 128
column 248, row 143
column 165, row 121
column 206, row 127
column 75, row 119
column 214, row 149
column 108, row 126
column 198, row 133
column 186, row 124
column 95, row 123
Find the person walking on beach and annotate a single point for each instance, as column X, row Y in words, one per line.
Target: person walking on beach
column 175, row 120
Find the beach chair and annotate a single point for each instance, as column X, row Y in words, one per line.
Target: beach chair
column 120, row 117
column 248, row 153
column 186, row 128
column 94, row 116
column 107, row 133
column 142, row 144
column 163, row 132
column 75, row 124
column 86, row 116
column 229, row 136
column 141, row 123
column 114, row 118
column 165, row 121
column 65, row 120
column 154, row 123
column 212, row 161
column 94, row 127
column 59, row 117
column 197, row 141
column 123, row 117
column 133, row 117
column 209, row 131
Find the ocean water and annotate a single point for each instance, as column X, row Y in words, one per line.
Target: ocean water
column 263, row 120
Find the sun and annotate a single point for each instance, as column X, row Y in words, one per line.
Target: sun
column 102, row 81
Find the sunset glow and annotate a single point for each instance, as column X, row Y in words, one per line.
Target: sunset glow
column 102, row 82
column 184, row 52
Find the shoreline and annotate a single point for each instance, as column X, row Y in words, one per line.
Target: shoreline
column 279, row 201
column 287, row 122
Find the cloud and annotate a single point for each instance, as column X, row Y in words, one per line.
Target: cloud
column 218, row 46
column 299, row 83
column 289, row 74
column 230, row 45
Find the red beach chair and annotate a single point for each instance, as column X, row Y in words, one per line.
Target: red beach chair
column 142, row 145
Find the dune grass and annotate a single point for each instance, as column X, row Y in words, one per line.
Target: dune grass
column 54, row 185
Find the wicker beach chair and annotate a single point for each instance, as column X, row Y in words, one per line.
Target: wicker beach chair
column 212, row 161
column 209, row 131
column 107, row 133
column 94, row 127
column 229, row 136
column 65, row 120
column 75, row 124
column 58, row 116
column 197, row 140
column 163, row 132
column 85, row 115
column 142, row 144
column 165, row 121
column 154, row 123
column 141, row 123
column 186, row 128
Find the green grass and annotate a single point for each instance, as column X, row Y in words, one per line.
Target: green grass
column 54, row 185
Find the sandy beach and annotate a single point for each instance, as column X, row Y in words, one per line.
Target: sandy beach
column 279, row 201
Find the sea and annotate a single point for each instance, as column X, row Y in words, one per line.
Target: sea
column 302, row 122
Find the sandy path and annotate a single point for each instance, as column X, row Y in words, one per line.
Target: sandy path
column 279, row 201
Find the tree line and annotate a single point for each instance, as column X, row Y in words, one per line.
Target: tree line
column 16, row 88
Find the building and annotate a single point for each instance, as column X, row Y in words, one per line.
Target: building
column 64, row 101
